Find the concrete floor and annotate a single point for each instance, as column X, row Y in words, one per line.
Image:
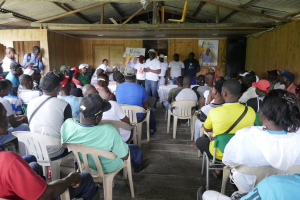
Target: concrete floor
column 174, row 172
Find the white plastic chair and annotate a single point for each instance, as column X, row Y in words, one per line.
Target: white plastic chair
column 151, row 102
column 99, row 176
column 123, row 125
column 184, row 112
column 131, row 112
column 36, row 144
column 65, row 195
column 260, row 173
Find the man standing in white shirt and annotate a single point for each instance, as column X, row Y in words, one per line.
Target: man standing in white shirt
column 11, row 57
column 164, row 68
column 176, row 69
column 139, row 69
column 152, row 70
column 100, row 70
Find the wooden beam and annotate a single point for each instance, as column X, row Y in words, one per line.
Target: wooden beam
column 114, row 5
column 1, row 4
column 217, row 14
column 136, row 13
column 102, row 14
column 199, row 7
column 172, row 26
column 68, row 9
column 72, row 12
column 126, row 17
column 235, row 11
column 6, row 15
column 187, row 16
column 113, row 21
column 154, row 15
column 245, row 10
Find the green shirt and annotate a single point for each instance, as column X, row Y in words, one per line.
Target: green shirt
column 104, row 137
column 170, row 94
column 83, row 78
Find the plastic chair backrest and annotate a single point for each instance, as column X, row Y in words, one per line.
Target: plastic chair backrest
column 131, row 112
column 117, row 124
column 151, row 101
column 95, row 153
column 36, row 144
column 184, row 107
column 257, row 121
column 222, row 140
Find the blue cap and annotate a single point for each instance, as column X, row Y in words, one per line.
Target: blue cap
column 288, row 75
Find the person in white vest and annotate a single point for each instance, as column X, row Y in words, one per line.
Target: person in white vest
column 100, row 70
column 152, row 69
column 164, row 67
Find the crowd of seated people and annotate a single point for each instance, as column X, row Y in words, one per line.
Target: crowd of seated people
column 263, row 115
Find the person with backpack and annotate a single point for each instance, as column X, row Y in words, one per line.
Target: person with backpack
column 36, row 58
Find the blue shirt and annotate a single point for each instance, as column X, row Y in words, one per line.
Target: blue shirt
column 276, row 187
column 74, row 103
column 131, row 94
column 15, row 102
column 191, row 67
column 14, row 79
column 34, row 59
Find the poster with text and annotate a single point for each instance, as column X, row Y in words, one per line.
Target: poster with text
column 131, row 55
column 208, row 50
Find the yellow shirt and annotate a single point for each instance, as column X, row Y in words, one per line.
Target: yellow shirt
column 220, row 119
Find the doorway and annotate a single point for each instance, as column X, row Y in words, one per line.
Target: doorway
column 160, row 47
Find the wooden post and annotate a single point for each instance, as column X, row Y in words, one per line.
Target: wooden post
column 154, row 17
column 217, row 14
column 163, row 14
column 102, row 14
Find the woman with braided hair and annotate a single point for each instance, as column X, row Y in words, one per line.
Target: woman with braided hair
column 275, row 143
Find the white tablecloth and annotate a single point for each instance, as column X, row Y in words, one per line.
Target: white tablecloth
column 163, row 92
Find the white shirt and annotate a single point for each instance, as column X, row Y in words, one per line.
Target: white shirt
column 94, row 77
column 249, row 94
column 131, row 64
column 279, row 86
column 164, row 68
column 176, row 68
column 140, row 74
column 116, row 113
column 154, row 65
column 6, row 63
column 27, row 95
column 7, row 106
column 253, row 146
column 185, row 95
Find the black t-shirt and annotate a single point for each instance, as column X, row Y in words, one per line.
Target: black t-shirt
column 253, row 103
column 77, row 92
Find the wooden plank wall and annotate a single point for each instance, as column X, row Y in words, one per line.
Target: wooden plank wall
column 63, row 50
column 86, row 54
column 278, row 49
column 7, row 38
column 185, row 46
column 2, row 51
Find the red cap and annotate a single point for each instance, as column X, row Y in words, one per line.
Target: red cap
column 141, row 57
column 76, row 70
column 64, row 82
column 263, row 85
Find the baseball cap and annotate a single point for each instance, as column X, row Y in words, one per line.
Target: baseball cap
column 212, row 68
column 141, row 57
column 75, row 70
column 151, row 50
column 288, row 75
column 93, row 105
column 64, row 82
column 129, row 72
column 161, row 56
column 114, row 67
column 15, row 65
column 263, row 85
column 81, row 66
column 244, row 74
column 31, row 65
column 28, row 71
column 63, row 67
column 50, row 81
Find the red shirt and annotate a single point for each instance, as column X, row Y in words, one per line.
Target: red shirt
column 17, row 179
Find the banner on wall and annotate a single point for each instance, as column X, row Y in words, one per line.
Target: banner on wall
column 131, row 55
column 208, row 52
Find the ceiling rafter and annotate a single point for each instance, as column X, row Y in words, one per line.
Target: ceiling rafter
column 199, row 7
column 17, row 15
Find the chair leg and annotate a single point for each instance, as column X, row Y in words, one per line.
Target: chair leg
column 203, row 162
column 139, row 130
column 107, row 187
column 55, row 169
column 199, row 153
column 192, row 129
column 130, row 180
column 174, row 127
column 134, row 137
column 207, row 173
column 148, row 128
column 125, row 173
column 169, row 119
column 226, row 173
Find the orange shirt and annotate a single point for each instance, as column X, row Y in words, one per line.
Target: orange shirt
column 291, row 88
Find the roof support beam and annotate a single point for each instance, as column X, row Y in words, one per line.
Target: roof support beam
column 18, row 16
column 187, row 16
column 217, row 14
column 199, row 7
column 102, row 14
column 235, row 11
column 1, row 4
column 72, row 12
column 68, row 9
column 247, row 11
column 136, row 13
column 126, row 17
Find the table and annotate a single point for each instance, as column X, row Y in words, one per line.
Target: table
column 163, row 92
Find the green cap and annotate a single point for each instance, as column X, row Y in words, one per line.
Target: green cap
column 62, row 68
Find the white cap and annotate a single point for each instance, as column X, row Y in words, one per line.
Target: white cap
column 161, row 56
column 114, row 67
column 244, row 74
column 212, row 68
column 28, row 71
column 81, row 66
column 151, row 50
